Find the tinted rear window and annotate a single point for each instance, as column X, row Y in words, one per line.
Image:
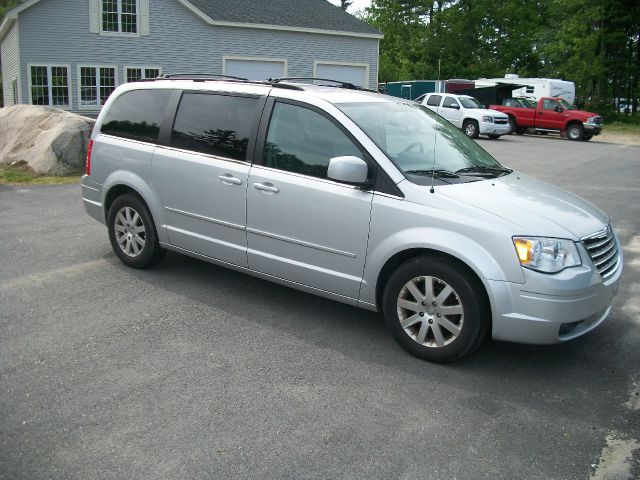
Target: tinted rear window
column 214, row 124
column 137, row 115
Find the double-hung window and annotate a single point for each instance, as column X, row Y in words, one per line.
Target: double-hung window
column 133, row 74
column 120, row 16
column 49, row 85
column 96, row 84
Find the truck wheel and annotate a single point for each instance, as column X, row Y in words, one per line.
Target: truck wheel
column 521, row 130
column 575, row 132
column 471, row 129
column 434, row 309
column 512, row 126
column 587, row 137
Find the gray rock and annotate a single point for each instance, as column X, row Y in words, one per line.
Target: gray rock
column 50, row 141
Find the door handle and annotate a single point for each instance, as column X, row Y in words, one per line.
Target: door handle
column 266, row 187
column 230, row 180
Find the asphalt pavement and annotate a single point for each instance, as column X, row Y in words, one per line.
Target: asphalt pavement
column 193, row 371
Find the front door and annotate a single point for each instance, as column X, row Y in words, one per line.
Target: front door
column 549, row 117
column 451, row 111
column 201, row 177
column 301, row 226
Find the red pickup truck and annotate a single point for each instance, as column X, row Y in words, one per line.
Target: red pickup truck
column 551, row 115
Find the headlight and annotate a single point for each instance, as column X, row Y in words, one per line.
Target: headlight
column 487, row 119
column 549, row 255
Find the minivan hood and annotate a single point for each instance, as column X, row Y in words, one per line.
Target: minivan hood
column 536, row 208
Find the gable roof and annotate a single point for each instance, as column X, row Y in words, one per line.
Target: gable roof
column 315, row 16
column 312, row 16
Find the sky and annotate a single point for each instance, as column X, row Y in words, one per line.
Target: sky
column 355, row 6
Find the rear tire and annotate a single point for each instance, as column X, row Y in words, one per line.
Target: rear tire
column 132, row 232
column 471, row 129
column 521, row 130
column 575, row 132
column 434, row 309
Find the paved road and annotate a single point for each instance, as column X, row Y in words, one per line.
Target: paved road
column 193, row 371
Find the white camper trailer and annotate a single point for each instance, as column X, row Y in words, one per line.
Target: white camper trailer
column 535, row 87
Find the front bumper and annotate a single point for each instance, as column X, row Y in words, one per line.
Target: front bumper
column 493, row 129
column 549, row 309
column 592, row 128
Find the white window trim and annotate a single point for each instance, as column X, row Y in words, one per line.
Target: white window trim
column 99, row 105
column 50, row 86
column 343, row 64
column 142, row 67
column 284, row 61
column 119, row 33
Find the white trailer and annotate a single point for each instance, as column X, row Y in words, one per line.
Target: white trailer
column 535, row 87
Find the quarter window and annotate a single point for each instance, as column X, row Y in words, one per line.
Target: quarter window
column 217, row 125
column 134, row 74
column 120, row 16
column 96, row 84
column 303, row 141
column 137, row 115
column 50, row 85
column 434, row 100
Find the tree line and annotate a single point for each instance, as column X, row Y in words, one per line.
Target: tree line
column 594, row 43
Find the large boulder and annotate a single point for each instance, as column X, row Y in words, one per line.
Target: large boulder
column 50, row 141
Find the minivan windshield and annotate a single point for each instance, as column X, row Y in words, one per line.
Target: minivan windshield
column 421, row 143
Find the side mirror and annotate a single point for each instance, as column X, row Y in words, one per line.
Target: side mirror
column 348, row 169
column 558, row 108
column 455, row 107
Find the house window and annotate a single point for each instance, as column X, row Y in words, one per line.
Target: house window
column 96, row 84
column 120, row 16
column 139, row 73
column 49, row 85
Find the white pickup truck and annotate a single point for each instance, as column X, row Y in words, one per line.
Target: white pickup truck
column 468, row 114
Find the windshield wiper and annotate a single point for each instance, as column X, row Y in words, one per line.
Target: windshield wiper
column 437, row 173
column 484, row 170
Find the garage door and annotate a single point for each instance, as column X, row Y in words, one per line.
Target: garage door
column 255, row 69
column 355, row 74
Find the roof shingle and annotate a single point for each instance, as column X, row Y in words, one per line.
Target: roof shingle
column 315, row 14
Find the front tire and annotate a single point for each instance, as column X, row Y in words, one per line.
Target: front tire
column 132, row 232
column 471, row 129
column 575, row 132
column 587, row 137
column 434, row 309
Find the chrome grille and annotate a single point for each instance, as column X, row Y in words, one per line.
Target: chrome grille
column 500, row 121
column 603, row 250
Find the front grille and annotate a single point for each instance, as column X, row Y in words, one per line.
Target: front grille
column 603, row 250
column 500, row 121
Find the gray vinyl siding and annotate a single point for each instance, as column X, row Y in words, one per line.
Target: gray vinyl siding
column 10, row 64
column 54, row 32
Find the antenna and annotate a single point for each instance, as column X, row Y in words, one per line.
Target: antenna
column 435, row 136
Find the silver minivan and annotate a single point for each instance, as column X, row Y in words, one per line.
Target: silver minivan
column 359, row 197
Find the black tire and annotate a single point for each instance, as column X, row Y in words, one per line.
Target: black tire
column 521, row 130
column 587, row 136
column 471, row 129
column 466, row 291
column 493, row 137
column 513, row 127
column 575, row 132
column 151, row 252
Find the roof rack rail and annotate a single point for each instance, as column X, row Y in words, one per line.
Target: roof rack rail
column 206, row 77
column 339, row 83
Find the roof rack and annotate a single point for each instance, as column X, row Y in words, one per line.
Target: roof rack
column 207, row 77
column 339, row 83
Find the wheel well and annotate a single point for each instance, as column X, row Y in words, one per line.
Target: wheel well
column 466, row 120
column 401, row 257
column 114, row 192
column 572, row 122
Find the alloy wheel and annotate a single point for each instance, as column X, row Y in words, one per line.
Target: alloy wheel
column 130, row 231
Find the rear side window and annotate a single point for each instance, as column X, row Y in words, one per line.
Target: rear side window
column 217, row 125
column 434, row 100
column 136, row 115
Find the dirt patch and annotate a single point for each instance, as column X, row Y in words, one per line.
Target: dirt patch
column 619, row 138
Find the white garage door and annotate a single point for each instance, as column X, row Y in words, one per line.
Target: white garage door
column 254, row 69
column 345, row 73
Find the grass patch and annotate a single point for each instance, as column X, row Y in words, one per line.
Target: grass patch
column 624, row 128
column 20, row 175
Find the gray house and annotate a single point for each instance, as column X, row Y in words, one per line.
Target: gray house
column 71, row 54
